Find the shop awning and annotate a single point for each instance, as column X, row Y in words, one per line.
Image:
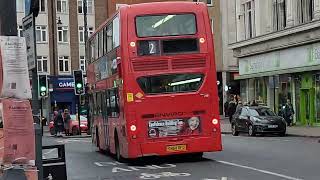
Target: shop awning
column 283, row 71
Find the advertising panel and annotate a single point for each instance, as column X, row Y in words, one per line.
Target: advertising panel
column 174, row 127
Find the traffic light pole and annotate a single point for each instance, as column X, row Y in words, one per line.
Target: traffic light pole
column 41, row 114
column 79, row 99
column 35, row 103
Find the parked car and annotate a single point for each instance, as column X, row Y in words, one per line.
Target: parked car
column 257, row 120
column 74, row 125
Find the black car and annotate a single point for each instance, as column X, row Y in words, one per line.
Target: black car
column 257, row 120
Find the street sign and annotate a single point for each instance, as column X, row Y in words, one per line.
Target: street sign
column 28, row 33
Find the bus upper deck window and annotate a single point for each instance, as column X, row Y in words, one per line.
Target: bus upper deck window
column 166, row 25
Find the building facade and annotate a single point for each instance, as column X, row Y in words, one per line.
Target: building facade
column 276, row 43
column 61, row 45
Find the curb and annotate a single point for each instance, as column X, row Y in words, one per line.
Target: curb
column 78, row 136
column 67, row 137
column 288, row 135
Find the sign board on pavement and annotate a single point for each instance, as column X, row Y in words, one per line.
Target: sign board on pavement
column 28, row 33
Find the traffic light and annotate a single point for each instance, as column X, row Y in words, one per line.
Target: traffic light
column 43, row 85
column 78, row 82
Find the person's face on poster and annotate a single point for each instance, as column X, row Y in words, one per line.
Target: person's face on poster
column 193, row 123
column 180, row 125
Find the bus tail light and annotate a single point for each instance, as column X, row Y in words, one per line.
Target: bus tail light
column 133, row 128
column 132, row 44
column 202, row 40
column 215, row 121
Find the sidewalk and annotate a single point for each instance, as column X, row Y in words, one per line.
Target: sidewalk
column 299, row 131
column 46, row 133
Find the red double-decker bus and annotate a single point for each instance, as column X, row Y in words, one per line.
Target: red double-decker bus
column 152, row 81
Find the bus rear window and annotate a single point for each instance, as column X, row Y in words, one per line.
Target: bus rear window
column 173, row 83
column 166, row 25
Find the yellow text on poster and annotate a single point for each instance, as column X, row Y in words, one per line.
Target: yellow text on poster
column 129, row 97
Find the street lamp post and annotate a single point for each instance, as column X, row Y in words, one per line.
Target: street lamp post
column 85, row 10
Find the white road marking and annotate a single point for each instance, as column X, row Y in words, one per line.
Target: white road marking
column 138, row 168
column 73, row 140
column 223, row 178
column 260, row 170
column 103, row 164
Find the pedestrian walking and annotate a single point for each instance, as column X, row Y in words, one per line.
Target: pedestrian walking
column 66, row 120
column 59, row 122
column 55, row 123
column 232, row 107
column 288, row 112
column 239, row 105
column 226, row 107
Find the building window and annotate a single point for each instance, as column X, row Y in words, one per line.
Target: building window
column 249, row 19
column 20, row 31
column 82, row 64
column 63, row 34
column 116, row 32
column 42, row 64
column 41, row 33
column 109, row 38
column 279, row 14
column 210, row 2
column 64, row 64
column 81, row 33
column 305, row 10
column 89, row 7
column 20, row 5
column 42, row 5
column 62, row 6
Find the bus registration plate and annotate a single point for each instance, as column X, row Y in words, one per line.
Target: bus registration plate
column 177, row 148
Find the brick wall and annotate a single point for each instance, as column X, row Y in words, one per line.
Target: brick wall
column 100, row 11
column 52, row 31
column 74, row 34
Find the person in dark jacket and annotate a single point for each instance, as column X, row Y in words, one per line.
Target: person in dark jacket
column 288, row 112
column 59, row 123
column 232, row 108
column 226, row 107
column 66, row 119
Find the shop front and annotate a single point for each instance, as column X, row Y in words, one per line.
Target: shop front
column 290, row 74
column 63, row 97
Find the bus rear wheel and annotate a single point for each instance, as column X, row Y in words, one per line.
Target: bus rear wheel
column 119, row 158
column 98, row 141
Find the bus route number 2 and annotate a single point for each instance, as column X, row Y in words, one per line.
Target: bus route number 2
column 153, row 47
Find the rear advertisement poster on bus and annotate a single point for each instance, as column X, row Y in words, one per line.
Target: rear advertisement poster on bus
column 174, row 127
